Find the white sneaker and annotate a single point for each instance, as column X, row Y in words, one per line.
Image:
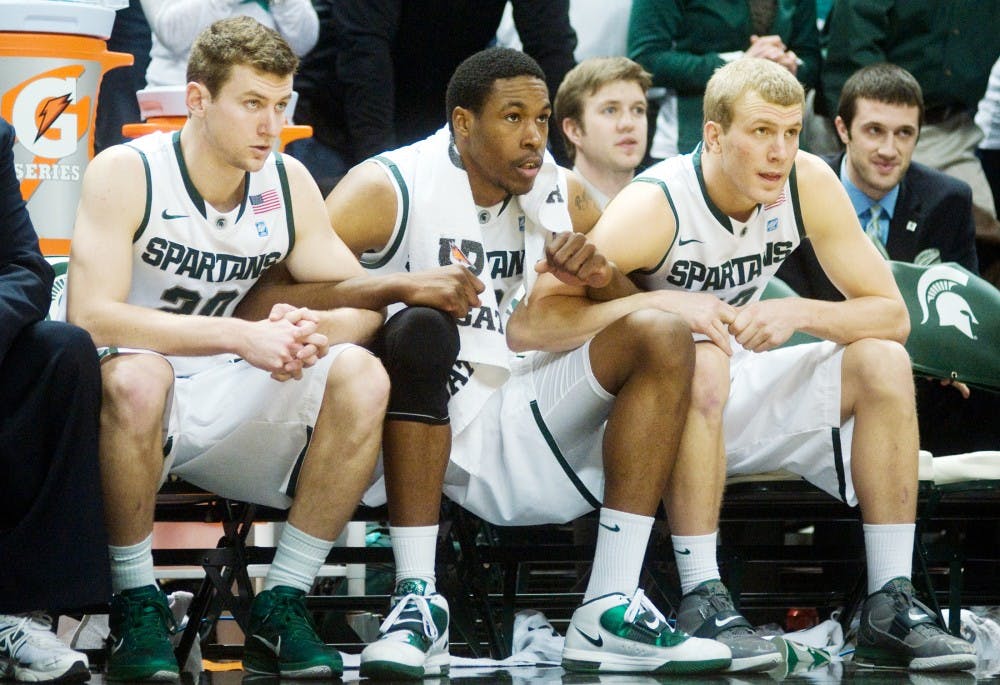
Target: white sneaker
column 413, row 640
column 613, row 633
column 31, row 653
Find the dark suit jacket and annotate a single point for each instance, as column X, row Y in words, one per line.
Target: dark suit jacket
column 25, row 276
column 53, row 546
column 939, row 206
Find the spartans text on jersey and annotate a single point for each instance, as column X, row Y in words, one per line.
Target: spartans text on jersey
column 213, row 267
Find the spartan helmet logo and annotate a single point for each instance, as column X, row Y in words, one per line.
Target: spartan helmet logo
column 935, row 288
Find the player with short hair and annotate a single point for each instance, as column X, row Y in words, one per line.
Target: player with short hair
column 172, row 231
column 701, row 234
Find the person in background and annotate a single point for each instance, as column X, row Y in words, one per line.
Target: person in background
column 378, row 76
column 118, row 105
column 600, row 109
column 913, row 214
column 988, row 119
column 176, row 23
column 682, row 44
column 949, row 47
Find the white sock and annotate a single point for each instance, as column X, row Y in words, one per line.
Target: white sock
column 414, row 549
column 132, row 565
column 696, row 559
column 297, row 559
column 621, row 546
column 889, row 551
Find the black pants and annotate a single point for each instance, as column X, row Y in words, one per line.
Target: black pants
column 53, row 544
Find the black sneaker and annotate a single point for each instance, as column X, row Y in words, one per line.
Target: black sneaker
column 708, row 611
column 897, row 631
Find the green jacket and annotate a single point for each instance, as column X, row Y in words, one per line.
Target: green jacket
column 948, row 45
column 679, row 43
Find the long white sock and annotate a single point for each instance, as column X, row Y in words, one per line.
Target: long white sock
column 621, row 546
column 132, row 565
column 696, row 559
column 297, row 559
column 889, row 551
column 414, row 549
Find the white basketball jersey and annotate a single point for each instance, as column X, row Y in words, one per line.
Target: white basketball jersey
column 712, row 252
column 498, row 259
column 189, row 258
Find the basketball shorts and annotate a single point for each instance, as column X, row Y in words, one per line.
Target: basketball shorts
column 783, row 412
column 533, row 455
column 233, row 430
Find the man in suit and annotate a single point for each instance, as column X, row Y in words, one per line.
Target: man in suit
column 913, row 214
column 51, row 510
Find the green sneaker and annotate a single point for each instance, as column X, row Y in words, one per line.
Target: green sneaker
column 282, row 639
column 139, row 643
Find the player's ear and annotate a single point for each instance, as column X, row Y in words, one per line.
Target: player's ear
column 710, row 134
column 196, row 96
column 461, row 122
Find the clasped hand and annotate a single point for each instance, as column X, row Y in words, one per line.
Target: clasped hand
column 286, row 343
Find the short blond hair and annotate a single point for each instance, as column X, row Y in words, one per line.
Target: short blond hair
column 729, row 83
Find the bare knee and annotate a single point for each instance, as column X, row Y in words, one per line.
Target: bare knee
column 135, row 391
column 878, row 370
column 710, row 385
column 358, row 379
column 645, row 342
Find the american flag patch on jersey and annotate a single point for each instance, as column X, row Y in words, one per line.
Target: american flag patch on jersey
column 780, row 200
column 268, row 201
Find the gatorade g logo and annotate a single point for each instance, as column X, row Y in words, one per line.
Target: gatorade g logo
column 50, row 120
column 935, row 290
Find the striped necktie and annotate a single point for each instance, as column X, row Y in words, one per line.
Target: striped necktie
column 873, row 230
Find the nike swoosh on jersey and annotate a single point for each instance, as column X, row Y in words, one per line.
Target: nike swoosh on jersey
column 682, row 551
column 167, row 216
column 597, row 642
column 726, row 621
column 687, row 241
column 614, row 529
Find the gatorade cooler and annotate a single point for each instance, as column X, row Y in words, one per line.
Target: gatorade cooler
column 52, row 59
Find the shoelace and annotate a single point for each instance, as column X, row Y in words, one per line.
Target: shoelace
column 422, row 605
column 904, row 600
column 723, row 602
column 641, row 603
column 36, row 625
column 293, row 615
column 150, row 617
